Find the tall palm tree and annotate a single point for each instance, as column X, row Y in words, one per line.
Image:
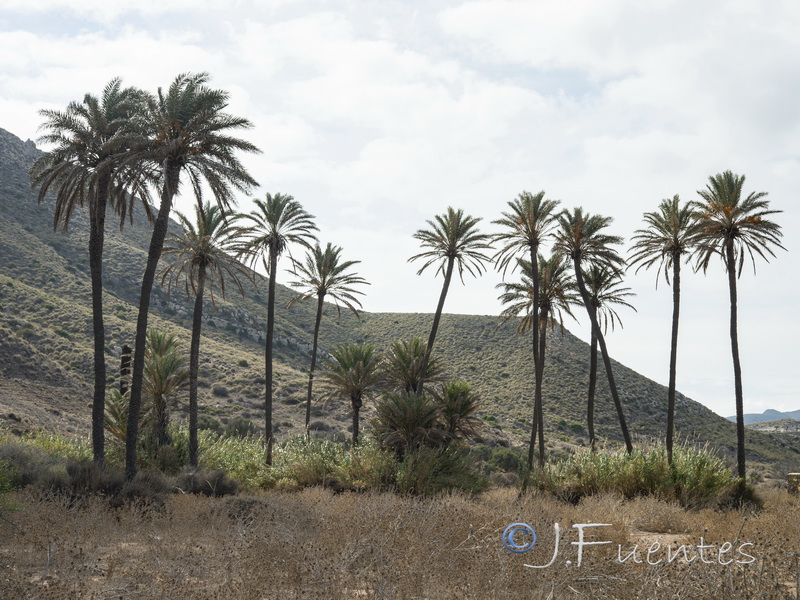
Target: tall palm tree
column 90, row 142
column 452, row 240
column 527, row 224
column 557, row 295
column 671, row 234
column 580, row 237
column 733, row 228
column 402, row 366
column 276, row 222
column 325, row 275
column 165, row 374
column 190, row 133
column 605, row 291
column 201, row 259
column 353, row 371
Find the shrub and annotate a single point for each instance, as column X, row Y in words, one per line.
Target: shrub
column 209, row 482
column 220, row 391
column 240, row 427
column 431, row 470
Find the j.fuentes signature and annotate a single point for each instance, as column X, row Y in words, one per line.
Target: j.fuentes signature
column 521, row 537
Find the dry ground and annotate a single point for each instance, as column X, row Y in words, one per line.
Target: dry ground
column 314, row 544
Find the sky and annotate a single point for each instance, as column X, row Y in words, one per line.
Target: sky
column 377, row 116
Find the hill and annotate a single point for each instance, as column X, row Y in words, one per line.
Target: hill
column 45, row 342
column 767, row 415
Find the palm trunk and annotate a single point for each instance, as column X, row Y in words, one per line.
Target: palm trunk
column 273, row 267
column 673, row 354
column 535, row 423
column 356, row 402
column 592, row 386
column 96, row 240
column 424, row 368
column 587, row 302
column 737, row 368
column 320, row 299
column 538, row 395
column 194, row 364
column 154, row 254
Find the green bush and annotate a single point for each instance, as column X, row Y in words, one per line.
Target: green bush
column 428, row 471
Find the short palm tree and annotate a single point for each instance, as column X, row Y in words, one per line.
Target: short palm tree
column 325, row 275
column 405, row 422
column 733, row 228
column 671, row 234
column 402, row 366
column 458, row 409
column 605, row 292
column 190, row 133
column 557, row 295
column 352, row 371
column 165, row 375
column 272, row 226
column 452, row 240
column 201, row 260
column 580, row 237
column 91, row 140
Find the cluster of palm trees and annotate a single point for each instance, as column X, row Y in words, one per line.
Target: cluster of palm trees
column 586, row 268
column 129, row 143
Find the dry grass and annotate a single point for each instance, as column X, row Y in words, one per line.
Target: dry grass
column 315, row 544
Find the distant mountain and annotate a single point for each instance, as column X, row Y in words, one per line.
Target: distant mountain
column 767, row 415
column 46, row 352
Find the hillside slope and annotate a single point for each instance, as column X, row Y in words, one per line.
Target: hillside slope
column 45, row 341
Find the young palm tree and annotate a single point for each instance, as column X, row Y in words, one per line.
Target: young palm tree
column 458, row 409
column 353, row 371
column 405, row 422
column 453, row 239
column 671, row 234
column 189, row 134
column 165, row 374
column 277, row 222
column 90, row 142
column 557, row 295
column 201, row 259
column 324, row 274
column 402, row 366
column 579, row 237
column 605, row 290
column 732, row 228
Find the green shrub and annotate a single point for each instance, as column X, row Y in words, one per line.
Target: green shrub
column 428, row 471
column 209, row 482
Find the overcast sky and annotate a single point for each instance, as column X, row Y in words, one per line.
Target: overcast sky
column 377, row 116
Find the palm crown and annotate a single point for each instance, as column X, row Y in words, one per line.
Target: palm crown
column 204, row 245
column 325, row 274
column 606, row 290
column 672, row 232
column 723, row 217
column 527, row 224
column 455, row 236
column 277, row 221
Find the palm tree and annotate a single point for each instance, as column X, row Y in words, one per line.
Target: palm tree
column 526, row 226
column 579, row 237
column 276, row 222
column 353, row 371
column 453, row 239
column 165, row 374
column 733, row 227
column 405, row 422
column 402, row 366
column 556, row 297
column 90, row 141
column 201, row 259
column 323, row 275
column 605, row 290
column 671, row 233
column 458, row 409
column 189, row 133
